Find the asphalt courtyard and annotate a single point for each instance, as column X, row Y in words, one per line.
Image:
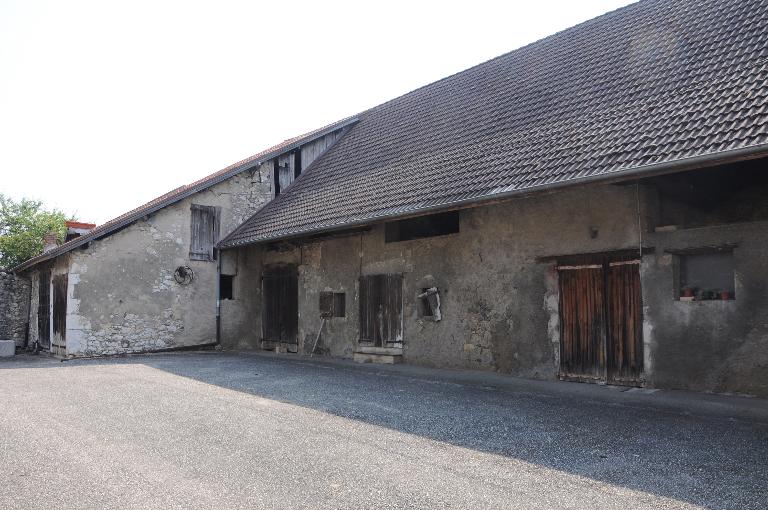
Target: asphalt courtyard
column 246, row 430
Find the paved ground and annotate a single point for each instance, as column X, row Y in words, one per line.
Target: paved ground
column 219, row 430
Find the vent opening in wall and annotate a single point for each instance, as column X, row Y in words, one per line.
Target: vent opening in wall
column 421, row 227
column 333, row 304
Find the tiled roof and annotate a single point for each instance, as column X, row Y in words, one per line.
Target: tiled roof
column 652, row 84
column 182, row 192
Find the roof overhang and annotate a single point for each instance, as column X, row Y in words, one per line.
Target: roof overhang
column 617, row 176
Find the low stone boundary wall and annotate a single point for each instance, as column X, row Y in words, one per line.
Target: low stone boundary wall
column 14, row 307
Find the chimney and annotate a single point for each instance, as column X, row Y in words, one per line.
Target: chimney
column 50, row 241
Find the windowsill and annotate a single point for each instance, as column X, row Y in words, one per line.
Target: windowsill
column 425, row 238
column 679, row 300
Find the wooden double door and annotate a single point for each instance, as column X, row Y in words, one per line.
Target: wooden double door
column 601, row 319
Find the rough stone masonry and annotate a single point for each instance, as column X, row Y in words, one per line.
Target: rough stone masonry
column 14, row 303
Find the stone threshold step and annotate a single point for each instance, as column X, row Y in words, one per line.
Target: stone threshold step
column 386, row 359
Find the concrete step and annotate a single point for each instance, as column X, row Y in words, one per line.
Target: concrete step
column 7, row 348
column 282, row 347
column 386, row 359
column 379, row 350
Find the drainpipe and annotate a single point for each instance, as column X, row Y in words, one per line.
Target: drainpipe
column 218, row 296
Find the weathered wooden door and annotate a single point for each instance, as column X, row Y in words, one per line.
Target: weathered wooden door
column 280, row 310
column 44, row 309
column 601, row 321
column 582, row 317
column 625, row 322
column 59, row 340
column 381, row 309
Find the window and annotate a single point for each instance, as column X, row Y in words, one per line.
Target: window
column 286, row 169
column 205, row 232
column 706, row 276
column 422, row 226
column 225, row 286
column 333, row 304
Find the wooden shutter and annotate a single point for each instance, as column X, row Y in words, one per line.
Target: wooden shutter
column 381, row 309
column 205, row 232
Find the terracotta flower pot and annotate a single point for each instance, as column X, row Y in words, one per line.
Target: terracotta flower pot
column 725, row 295
column 687, row 292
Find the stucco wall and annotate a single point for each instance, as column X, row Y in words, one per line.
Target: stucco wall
column 719, row 346
column 121, row 295
column 500, row 298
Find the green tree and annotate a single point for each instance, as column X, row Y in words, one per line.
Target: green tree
column 23, row 225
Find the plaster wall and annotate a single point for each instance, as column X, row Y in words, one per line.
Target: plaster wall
column 719, row 346
column 499, row 290
column 121, row 294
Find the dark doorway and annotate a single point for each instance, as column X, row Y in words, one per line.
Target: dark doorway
column 381, row 310
column 280, row 313
column 44, row 309
column 601, row 320
column 59, row 340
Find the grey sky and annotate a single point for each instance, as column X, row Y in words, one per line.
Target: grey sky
column 105, row 105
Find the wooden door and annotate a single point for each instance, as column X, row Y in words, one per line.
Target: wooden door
column 381, row 309
column 601, row 321
column 625, row 322
column 59, row 316
column 280, row 310
column 44, row 309
column 582, row 317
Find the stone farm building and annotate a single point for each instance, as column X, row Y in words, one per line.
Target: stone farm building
column 148, row 280
column 589, row 207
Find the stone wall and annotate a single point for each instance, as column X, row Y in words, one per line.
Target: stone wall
column 14, row 307
column 121, row 295
column 500, row 293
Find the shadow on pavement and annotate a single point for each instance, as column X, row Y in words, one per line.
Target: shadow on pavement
column 709, row 460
